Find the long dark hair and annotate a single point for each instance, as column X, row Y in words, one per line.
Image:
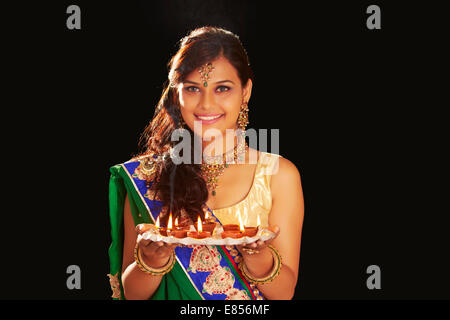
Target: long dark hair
column 181, row 187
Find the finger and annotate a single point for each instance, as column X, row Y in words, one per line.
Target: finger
column 164, row 251
column 142, row 228
column 276, row 230
column 152, row 246
column 260, row 243
column 139, row 228
column 158, row 244
column 143, row 242
column 171, row 246
column 241, row 247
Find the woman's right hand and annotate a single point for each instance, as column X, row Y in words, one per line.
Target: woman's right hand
column 156, row 254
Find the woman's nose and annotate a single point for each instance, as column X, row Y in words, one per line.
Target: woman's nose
column 207, row 101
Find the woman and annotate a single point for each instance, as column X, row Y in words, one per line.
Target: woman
column 210, row 84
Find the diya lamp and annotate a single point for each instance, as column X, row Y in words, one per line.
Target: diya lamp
column 230, row 227
column 230, row 230
column 178, row 231
column 144, row 227
column 199, row 234
column 208, row 225
column 163, row 230
column 252, row 231
column 178, row 227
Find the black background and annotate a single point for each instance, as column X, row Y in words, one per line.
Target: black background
column 358, row 113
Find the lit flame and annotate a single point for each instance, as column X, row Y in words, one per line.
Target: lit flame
column 241, row 224
column 258, row 221
column 206, row 215
column 176, row 222
column 157, row 222
column 169, row 225
column 199, row 225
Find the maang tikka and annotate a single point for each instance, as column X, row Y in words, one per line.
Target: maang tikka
column 205, row 73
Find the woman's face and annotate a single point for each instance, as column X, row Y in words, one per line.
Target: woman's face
column 217, row 105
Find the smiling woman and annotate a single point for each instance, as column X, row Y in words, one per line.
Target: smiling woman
column 207, row 95
column 218, row 102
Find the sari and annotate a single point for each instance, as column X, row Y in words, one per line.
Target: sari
column 200, row 272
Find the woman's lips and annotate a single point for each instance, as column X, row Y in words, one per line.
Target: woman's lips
column 209, row 118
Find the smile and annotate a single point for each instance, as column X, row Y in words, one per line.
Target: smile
column 209, row 118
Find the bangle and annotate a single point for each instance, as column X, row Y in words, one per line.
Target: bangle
column 153, row 271
column 277, row 263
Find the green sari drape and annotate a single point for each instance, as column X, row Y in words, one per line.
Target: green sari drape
column 174, row 285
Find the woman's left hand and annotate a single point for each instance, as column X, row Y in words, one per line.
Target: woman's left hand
column 253, row 249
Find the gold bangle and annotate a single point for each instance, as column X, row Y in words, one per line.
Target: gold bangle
column 277, row 263
column 153, row 271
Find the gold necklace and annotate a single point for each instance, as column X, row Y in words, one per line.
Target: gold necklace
column 213, row 166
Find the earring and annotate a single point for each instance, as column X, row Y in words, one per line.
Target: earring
column 243, row 116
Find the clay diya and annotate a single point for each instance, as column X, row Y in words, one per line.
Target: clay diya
column 250, row 231
column 163, row 231
column 199, row 234
column 230, row 227
column 179, row 232
column 235, row 234
column 208, row 226
column 233, row 231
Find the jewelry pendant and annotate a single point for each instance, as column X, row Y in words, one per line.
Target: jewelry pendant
column 205, row 73
column 212, row 171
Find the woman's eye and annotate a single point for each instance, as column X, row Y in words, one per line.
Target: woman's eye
column 192, row 89
column 223, row 89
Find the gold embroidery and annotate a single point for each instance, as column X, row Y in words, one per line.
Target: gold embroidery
column 256, row 291
column 236, row 294
column 115, row 285
column 204, row 258
column 151, row 194
column 219, row 281
column 146, row 169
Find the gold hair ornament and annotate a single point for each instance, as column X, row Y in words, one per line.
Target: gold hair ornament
column 205, row 73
